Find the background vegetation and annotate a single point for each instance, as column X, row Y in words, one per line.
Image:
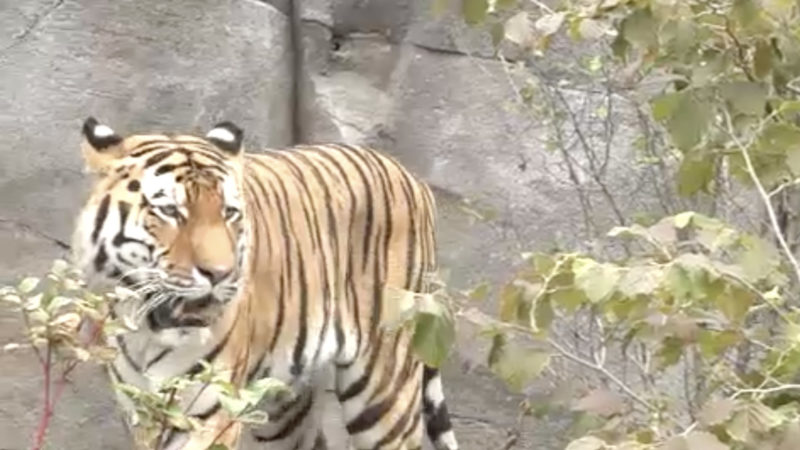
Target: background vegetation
column 682, row 317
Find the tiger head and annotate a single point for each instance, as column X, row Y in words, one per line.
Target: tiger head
column 165, row 218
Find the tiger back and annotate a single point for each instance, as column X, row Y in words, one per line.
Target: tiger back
column 273, row 264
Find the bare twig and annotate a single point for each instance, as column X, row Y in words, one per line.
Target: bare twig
column 773, row 218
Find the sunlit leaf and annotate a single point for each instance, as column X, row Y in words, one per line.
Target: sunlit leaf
column 597, row 280
column 27, row 285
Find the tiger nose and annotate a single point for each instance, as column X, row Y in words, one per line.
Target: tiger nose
column 214, row 274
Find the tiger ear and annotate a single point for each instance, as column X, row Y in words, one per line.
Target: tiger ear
column 227, row 137
column 101, row 145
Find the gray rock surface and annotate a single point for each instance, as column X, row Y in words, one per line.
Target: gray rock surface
column 144, row 64
column 381, row 72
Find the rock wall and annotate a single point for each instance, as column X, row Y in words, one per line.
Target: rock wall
column 381, row 72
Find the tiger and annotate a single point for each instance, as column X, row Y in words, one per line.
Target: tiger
column 274, row 264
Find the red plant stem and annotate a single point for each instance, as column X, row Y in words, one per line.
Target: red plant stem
column 47, row 410
column 50, row 401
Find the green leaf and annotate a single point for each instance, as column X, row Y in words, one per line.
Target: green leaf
column 516, row 365
column 778, row 138
column 695, row 174
column 753, row 418
column 664, row 106
column 745, row 97
column 745, row 12
column 762, row 59
column 506, row 4
column 595, row 279
column 474, row 11
column 568, row 298
column 542, row 315
column 639, row 28
column 735, row 303
column 497, row 32
column 640, row 280
column 757, row 258
column 433, row 337
column 218, row 447
column 510, row 303
column 670, row 352
column 689, row 121
column 232, row 405
column 715, row 343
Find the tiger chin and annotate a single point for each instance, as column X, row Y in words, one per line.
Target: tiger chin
column 264, row 264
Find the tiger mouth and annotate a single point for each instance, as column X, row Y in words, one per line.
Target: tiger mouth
column 182, row 312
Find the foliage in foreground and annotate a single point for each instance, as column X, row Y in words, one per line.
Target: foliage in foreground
column 685, row 329
column 65, row 324
column 695, row 291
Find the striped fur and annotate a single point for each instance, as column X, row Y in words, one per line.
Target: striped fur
column 270, row 264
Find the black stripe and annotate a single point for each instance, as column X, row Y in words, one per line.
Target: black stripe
column 359, row 385
column 292, row 424
column 100, row 218
column 101, row 257
column 155, row 159
column 158, row 358
column 400, row 425
column 370, row 416
column 313, row 225
column 209, row 412
column 349, row 284
column 414, row 423
column 411, row 250
column 297, row 357
column 368, row 207
column 123, row 347
column 281, row 279
column 437, row 420
column 283, row 213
